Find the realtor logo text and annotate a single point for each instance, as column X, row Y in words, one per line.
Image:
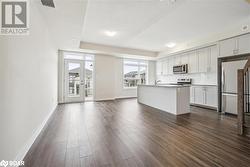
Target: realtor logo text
column 14, row 19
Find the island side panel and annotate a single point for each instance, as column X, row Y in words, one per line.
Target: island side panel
column 163, row 98
column 183, row 100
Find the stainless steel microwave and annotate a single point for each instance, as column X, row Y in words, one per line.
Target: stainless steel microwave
column 180, row 69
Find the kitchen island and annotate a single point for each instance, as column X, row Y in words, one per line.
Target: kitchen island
column 173, row 99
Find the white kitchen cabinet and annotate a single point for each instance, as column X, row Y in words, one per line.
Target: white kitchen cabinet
column 244, row 44
column 165, row 67
column 159, row 67
column 177, row 60
column 235, row 46
column 202, row 60
column 227, row 47
column 193, row 62
column 171, row 61
column 212, row 59
column 192, row 94
column 211, row 96
column 204, row 95
column 184, row 59
column 199, row 95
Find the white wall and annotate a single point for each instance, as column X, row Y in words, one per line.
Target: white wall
column 109, row 78
column 29, row 82
column 104, row 77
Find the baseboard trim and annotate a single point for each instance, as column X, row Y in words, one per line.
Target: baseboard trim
column 105, row 99
column 204, row 106
column 32, row 140
column 125, row 97
column 116, row 98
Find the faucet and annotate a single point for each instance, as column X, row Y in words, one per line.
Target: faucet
column 157, row 81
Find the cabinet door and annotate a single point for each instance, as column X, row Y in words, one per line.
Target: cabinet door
column 165, row 67
column 184, row 58
column 213, row 56
column 211, row 96
column 193, row 62
column 199, row 95
column 227, row 47
column 177, row 60
column 192, row 95
column 202, row 59
column 170, row 65
column 243, row 43
column 159, row 67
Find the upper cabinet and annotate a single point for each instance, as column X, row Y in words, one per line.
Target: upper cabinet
column 213, row 56
column 199, row 61
column 203, row 59
column 235, row 46
column 207, row 59
column 171, row 63
column 192, row 62
column 159, row 67
column 244, row 44
column 185, row 58
column 165, row 67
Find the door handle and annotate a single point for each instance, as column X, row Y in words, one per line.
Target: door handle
column 223, row 80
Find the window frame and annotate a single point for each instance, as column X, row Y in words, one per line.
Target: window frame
column 139, row 64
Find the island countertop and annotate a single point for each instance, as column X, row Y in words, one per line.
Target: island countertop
column 166, row 85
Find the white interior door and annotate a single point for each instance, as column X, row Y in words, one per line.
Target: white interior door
column 74, row 80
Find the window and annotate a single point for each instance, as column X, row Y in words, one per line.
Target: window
column 89, row 71
column 134, row 73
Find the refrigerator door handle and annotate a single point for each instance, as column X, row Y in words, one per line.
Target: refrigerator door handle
column 223, row 80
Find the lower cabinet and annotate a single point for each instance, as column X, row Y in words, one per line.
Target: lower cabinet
column 204, row 95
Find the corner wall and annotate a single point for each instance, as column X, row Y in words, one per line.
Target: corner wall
column 28, row 77
column 104, row 77
column 109, row 78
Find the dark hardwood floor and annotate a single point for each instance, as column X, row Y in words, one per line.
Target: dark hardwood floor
column 123, row 133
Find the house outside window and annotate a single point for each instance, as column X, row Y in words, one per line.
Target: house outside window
column 134, row 72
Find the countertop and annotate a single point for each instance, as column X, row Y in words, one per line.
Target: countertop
column 167, row 86
column 203, row 85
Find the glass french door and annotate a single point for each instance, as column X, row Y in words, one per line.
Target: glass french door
column 74, row 80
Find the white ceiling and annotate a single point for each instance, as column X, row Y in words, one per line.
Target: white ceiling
column 150, row 24
column 65, row 21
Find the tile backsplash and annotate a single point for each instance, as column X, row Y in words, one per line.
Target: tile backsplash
column 197, row 78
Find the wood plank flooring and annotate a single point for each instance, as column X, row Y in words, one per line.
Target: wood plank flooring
column 123, row 133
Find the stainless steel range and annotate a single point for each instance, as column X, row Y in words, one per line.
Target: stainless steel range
column 184, row 81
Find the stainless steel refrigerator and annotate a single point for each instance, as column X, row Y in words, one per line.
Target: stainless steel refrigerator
column 229, row 85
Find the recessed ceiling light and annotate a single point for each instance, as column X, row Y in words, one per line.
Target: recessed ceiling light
column 171, row 44
column 110, row 33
